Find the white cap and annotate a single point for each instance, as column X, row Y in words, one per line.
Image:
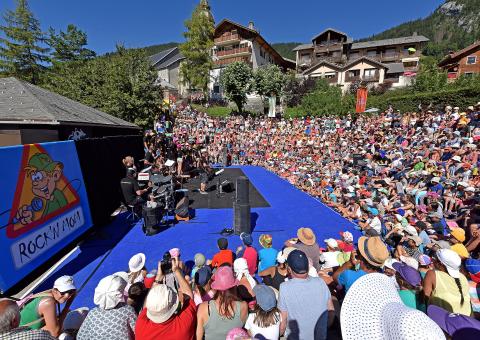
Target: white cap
column 332, row 243
column 470, row 108
column 456, row 158
column 410, row 229
column 389, row 263
column 451, row 260
column 470, row 189
column 436, row 180
column 109, row 292
column 409, row 261
column 64, row 284
column 136, row 262
column 462, row 184
column 161, row 303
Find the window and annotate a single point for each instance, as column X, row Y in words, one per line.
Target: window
column 354, row 55
column 330, row 75
column 468, row 74
column 354, row 73
column 372, row 53
column 336, row 54
column 216, row 89
column 370, row 72
column 471, row 60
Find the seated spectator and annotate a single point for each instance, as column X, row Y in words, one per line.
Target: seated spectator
column 10, row 322
column 372, row 309
column 267, row 255
column 217, row 317
column 265, row 318
column 200, row 261
column 168, row 314
column 73, row 322
column 249, row 253
column 410, row 283
column 275, row 275
column 202, row 284
column 445, row 286
column 137, row 270
column 112, row 318
column 224, row 256
column 40, row 312
column 246, row 282
column 136, row 296
column 456, row 326
column 346, row 243
column 372, row 254
column 305, row 302
column 473, row 268
column 329, row 258
column 306, row 242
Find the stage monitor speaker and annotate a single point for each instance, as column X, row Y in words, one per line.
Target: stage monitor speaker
column 242, row 190
column 241, row 218
column 181, row 209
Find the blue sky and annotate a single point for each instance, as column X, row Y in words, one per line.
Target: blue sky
column 147, row 22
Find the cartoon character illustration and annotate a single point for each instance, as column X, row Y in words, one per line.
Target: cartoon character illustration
column 45, row 175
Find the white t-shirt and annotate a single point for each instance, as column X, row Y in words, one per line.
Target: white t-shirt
column 376, row 224
column 271, row 332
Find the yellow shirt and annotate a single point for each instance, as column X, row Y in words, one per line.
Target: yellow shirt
column 447, row 295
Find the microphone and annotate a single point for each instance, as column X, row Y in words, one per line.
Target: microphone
column 35, row 205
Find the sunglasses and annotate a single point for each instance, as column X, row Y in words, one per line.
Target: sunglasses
column 69, row 292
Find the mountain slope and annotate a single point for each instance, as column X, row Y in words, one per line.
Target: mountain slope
column 452, row 26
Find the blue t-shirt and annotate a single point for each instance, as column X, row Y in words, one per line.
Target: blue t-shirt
column 267, row 258
column 348, row 277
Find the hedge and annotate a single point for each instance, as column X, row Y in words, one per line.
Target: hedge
column 406, row 102
column 214, row 111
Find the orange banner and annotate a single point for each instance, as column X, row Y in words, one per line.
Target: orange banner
column 362, row 94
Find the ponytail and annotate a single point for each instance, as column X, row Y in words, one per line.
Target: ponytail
column 457, row 281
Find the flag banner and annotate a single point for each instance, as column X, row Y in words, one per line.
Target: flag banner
column 361, row 99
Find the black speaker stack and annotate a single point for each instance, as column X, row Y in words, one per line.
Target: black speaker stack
column 241, row 207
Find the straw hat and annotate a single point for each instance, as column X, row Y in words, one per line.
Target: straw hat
column 373, row 250
column 306, row 236
column 372, row 309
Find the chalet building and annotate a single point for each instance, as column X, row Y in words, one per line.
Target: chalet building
column 167, row 63
column 333, row 55
column 465, row 62
column 235, row 42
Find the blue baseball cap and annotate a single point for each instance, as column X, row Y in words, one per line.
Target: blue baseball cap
column 246, row 239
column 265, row 297
column 298, row 261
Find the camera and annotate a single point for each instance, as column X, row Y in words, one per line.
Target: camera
column 166, row 263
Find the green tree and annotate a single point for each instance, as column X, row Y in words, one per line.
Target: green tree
column 269, row 81
column 69, row 45
column 195, row 69
column 327, row 100
column 122, row 84
column 21, row 51
column 430, row 77
column 236, row 80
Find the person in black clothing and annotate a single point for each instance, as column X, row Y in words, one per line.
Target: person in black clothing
column 131, row 190
column 149, row 156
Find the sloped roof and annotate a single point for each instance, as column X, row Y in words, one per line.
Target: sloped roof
column 393, row 41
column 459, row 54
column 22, row 102
column 356, row 61
column 322, row 62
column 170, row 60
column 303, row 47
column 160, row 56
column 329, row 29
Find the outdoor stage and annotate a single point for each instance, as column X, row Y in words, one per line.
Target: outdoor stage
column 113, row 245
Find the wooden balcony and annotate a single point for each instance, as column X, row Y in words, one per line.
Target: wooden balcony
column 226, row 61
column 328, row 48
column 330, row 59
column 226, row 39
column 350, row 79
column 234, row 52
column 332, row 80
column 395, row 56
column 372, row 78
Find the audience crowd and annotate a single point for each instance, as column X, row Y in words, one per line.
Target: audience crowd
column 409, row 182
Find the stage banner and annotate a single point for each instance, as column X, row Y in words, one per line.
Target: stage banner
column 362, row 94
column 43, row 206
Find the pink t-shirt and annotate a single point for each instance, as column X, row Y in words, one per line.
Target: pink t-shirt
column 250, row 254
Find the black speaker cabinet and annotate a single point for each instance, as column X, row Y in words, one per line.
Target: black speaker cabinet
column 241, row 218
column 242, row 190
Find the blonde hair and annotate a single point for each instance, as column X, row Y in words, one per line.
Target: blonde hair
column 128, row 161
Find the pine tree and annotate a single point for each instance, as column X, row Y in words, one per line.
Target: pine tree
column 69, row 45
column 21, row 51
column 195, row 69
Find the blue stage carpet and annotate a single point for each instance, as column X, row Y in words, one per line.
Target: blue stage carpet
column 114, row 244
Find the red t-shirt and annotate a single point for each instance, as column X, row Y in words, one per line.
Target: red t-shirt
column 251, row 256
column 181, row 326
column 223, row 256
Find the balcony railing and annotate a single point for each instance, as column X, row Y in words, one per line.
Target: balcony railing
column 226, row 61
column 234, row 51
column 390, row 56
column 226, row 38
column 374, row 77
column 330, row 47
column 351, row 78
column 332, row 80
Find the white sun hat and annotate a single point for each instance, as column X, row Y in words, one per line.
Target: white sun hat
column 451, row 260
column 136, row 262
column 161, row 303
column 382, row 315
